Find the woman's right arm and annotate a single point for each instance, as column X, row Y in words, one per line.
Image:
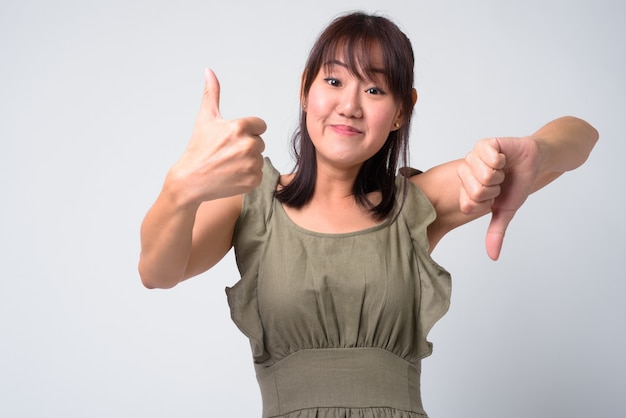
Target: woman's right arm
column 190, row 226
column 179, row 242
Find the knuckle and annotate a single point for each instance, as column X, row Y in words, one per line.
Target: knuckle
column 238, row 125
column 465, row 206
column 252, row 180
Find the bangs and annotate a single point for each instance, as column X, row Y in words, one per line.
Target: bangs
column 362, row 55
column 370, row 47
column 368, row 53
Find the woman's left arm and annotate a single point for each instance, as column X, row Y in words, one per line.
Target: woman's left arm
column 498, row 175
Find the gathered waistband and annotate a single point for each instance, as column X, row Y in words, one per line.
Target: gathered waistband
column 342, row 378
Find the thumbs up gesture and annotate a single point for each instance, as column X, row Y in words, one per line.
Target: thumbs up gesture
column 223, row 157
column 497, row 176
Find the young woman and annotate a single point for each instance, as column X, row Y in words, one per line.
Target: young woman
column 338, row 290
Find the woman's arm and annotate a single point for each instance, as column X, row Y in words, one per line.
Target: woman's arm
column 190, row 226
column 180, row 241
column 498, row 175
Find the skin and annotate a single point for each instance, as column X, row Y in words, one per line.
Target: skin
column 190, row 226
column 349, row 120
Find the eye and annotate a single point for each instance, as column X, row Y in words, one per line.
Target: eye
column 374, row 90
column 333, row 81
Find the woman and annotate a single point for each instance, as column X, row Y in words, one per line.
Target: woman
column 338, row 290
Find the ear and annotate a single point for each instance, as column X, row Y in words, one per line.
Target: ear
column 399, row 120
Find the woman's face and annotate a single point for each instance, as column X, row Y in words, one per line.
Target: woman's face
column 349, row 118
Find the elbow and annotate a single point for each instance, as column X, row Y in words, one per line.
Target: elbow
column 592, row 136
column 147, row 283
column 591, row 133
column 586, row 137
column 153, row 281
column 146, row 279
column 596, row 134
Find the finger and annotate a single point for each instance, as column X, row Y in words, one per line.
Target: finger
column 484, row 171
column 469, row 206
column 476, row 194
column 210, row 107
column 500, row 220
column 491, row 154
column 253, row 125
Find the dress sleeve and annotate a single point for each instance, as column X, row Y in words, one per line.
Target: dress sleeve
column 435, row 284
column 248, row 241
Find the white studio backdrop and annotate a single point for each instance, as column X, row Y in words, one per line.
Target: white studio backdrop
column 98, row 99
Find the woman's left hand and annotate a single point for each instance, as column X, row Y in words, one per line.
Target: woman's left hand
column 497, row 176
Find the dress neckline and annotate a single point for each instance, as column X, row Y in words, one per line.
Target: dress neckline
column 293, row 225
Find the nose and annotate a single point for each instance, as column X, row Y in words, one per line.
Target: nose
column 349, row 104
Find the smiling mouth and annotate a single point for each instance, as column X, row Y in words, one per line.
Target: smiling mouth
column 346, row 130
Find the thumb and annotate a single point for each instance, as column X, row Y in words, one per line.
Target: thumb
column 500, row 220
column 210, row 107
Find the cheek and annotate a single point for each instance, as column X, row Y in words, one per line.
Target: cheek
column 318, row 110
column 383, row 119
column 317, row 104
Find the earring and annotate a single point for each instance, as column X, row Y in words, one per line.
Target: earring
column 396, row 125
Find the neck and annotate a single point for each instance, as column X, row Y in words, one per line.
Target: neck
column 334, row 184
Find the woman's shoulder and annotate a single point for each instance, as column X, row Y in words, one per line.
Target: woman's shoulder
column 269, row 169
column 261, row 199
column 415, row 205
column 271, row 177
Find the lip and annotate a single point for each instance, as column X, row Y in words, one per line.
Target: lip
column 345, row 129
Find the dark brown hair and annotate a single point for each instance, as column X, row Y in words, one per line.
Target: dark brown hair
column 354, row 36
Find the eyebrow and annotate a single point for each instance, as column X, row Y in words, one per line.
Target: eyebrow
column 344, row 65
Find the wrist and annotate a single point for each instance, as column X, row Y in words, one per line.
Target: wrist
column 542, row 150
column 176, row 189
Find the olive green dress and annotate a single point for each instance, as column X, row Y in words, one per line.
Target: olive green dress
column 337, row 322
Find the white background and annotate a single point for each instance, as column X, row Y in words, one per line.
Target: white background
column 98, row 99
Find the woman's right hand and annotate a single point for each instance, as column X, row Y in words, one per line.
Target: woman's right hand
column 190, row 226
column 223, row 157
